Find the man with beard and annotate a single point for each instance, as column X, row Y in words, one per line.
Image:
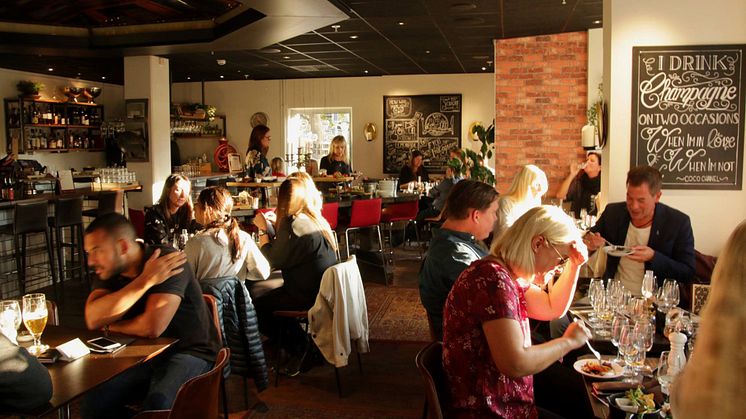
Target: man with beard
column 149, row 292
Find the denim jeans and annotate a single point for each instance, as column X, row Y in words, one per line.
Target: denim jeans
column 157, row 380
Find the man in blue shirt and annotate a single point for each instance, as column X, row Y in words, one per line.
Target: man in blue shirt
column 470, row 213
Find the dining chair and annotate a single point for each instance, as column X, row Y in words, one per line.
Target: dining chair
column 212, row 307
column 137, row 218
column 398, row 212
column 198, row 397
column 430, row 363
column 330, row 212
column 365, row 213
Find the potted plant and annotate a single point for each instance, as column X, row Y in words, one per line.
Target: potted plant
column 487, row 138
column 30, row 88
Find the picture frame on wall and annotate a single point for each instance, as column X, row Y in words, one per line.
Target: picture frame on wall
column 136, row 109
column 234, row 163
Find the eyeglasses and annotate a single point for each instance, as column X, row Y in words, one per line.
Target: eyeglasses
column 564, row 259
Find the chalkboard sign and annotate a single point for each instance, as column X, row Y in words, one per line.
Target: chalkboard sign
column 429, row 123
column 687, row 114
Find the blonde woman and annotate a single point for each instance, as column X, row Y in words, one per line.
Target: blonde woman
column 336, row 162
column 713, row 382
column 529, row 185
column 222, row 248
column 487, row 351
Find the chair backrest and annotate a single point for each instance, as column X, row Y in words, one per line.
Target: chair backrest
column 109, row 201
column 53, row 316
column 700, row 292
column 330, row 212
column 430, row 363
column 30, row 217
column 366, row 212
column 198, row 397
column 401, row 211
column 68, row 211
column 137, row 218
column 212, row 307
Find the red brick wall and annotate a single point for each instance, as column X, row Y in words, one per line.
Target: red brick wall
column 540, row 104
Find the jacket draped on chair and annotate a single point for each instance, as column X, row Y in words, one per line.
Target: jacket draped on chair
column 240, row 327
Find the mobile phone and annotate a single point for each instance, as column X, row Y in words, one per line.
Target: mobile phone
column 50, row 356
column 103, row 343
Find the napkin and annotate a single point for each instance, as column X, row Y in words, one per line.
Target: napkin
column 72, row 350
column 610, row 387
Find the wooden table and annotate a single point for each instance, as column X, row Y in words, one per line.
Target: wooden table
column 603, row 343
column 252, row 184
column 601, row 409
column 70, row 380
column 332, row 179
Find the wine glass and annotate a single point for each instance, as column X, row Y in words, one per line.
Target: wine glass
column 619, row 321
column 628, row 350
column 595, row 292
column 604, row 314
column 10, row 318
column 615, row 294
column 644, row 332
column 648, row 285
column 666, row 372
column 35, row 318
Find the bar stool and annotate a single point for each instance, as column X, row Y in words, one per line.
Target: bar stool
column 401, row 211
column 68, row 213
column 108, row 201
column 365, row 213
column 30, row 218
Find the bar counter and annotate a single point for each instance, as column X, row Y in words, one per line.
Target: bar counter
column 77, row 192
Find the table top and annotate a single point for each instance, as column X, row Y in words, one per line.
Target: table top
column 70, row 380
column 245, row 211
column 252, row 184
column 332, row 179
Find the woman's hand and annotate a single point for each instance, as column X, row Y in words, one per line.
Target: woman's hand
column 578, row 253
column 574, row 168
column 260, row 221
column 577, row 334
column 270, row 217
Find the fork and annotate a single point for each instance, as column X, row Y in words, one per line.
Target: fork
column 588, row 342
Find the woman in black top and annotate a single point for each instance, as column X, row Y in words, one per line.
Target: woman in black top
column 172, row 213
column 303, row 248
column 410, row 172
column 336, row 162
column 256, row 155
column 582, row 187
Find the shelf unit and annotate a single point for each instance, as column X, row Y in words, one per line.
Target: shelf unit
column 202, row 127
column 31, row 124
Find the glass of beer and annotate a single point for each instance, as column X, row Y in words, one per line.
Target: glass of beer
column 35, row 318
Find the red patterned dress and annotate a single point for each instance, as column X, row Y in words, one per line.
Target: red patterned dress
column 484, row 291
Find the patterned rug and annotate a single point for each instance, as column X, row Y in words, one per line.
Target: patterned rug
column 396, row 314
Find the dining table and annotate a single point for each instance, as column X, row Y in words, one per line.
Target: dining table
column 71, row 380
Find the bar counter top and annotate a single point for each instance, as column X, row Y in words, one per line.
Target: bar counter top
column 77, row 192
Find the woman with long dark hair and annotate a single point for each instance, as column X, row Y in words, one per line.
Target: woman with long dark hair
column 172, row 213
column 222, row 248
column 413, row 169
column 583, row 185
column 256, row 155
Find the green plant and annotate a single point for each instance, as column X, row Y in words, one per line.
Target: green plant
column 474, row 161
column 28, row 87
column 209, row 109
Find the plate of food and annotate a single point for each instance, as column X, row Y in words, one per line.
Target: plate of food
column 598, row 369
column 634, row 403
column 618, row 251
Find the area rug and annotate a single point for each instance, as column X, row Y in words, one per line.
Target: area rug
column 396, row 315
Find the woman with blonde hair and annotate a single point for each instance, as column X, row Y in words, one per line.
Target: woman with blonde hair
column 713, row 382
column 336, row 162
column 529, row 185
column 488, row 356
column 303, row 248
column 222, row 248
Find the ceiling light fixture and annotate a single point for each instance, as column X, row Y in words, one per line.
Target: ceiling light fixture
column 353, row 36
column 103, row 77
column 221, row 62
column 222, row 77
column 484, row 68
column 596, row 22
column 189, row 78
column 287, row 57
column 50, row 69
column 336, row 27
column 365, row 71
column 564, row 2
column 400, row 23
column 427, row 51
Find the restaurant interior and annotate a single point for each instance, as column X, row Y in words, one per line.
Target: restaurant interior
column 539, row 71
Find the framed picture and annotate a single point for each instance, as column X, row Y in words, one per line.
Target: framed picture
column 234, row 163
column 136, row 109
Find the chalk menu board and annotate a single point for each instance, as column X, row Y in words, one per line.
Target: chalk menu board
column 687, row 114
column 429, row 123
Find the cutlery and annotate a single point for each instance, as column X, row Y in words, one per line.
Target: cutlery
column 588, row 343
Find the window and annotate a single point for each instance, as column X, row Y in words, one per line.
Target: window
column 310, row 130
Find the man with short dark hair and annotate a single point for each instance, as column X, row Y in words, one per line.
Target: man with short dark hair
column 470, row 214
column 661, row 236
column 145, row 291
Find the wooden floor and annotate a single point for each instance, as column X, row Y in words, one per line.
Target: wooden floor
column 389, row 386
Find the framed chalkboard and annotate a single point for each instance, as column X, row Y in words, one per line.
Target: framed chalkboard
column 429, row 123
column 687, row 114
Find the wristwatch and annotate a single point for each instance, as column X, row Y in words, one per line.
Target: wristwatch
column 262, row 233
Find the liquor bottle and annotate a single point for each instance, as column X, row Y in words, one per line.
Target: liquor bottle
column 34, row 115
column 11, row 189
column 59, row 141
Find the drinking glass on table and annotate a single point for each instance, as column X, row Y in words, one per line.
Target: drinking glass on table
column 620, row 320
column 649, row 285
column 668, row 296
column 644, row 332
column 595, row 292
column 35, row 318
column 628, row 350
column 604, row 314
column 615, row 294
column 10, row 318
column 667, row 371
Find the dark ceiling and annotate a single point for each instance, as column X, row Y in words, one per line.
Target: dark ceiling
column 275, row 39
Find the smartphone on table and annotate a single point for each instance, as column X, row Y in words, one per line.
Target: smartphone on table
column 103, row 344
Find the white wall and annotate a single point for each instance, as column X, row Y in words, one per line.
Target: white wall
column 111, row 97
column 238, row 100
column 631, row 23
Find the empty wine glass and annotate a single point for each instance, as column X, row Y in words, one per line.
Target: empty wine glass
column 604, row 314
column 644, row 332
column 615, row 294
column 668, row 369
column 35, row 318
column 595, row 292
column 10, row 318
column 619, row 321
column 628, row 350
column 648, row 285
column 668, row 296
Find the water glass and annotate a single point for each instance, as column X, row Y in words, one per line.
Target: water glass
column 644, row 332
column 595, row 292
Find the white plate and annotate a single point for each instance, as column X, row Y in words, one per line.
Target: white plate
column 618, row 251
column 616, row 370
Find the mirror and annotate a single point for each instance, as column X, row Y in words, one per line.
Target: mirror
column 370, row 131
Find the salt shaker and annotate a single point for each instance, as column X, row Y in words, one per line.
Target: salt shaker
column 677, row 358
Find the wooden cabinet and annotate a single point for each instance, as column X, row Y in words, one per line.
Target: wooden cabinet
column 35, row 125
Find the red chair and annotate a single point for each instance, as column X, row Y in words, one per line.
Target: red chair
column 402, row 211
column 330, row 212
column 365, row 213
column 137, row 218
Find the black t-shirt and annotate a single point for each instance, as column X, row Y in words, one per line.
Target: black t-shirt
column 333, row 166
column 582, row 193
column 191, row 324
column 406, row 175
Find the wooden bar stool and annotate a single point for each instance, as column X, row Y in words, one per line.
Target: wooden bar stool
column 108, row 201
column 68, row 214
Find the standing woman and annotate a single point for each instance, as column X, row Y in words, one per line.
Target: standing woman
column 256, row 155
column 529, row 185
column 409, row 172
column 222, row 248
column 488, row 356
column 581, row 188
column 172, row 213
column 336, row 162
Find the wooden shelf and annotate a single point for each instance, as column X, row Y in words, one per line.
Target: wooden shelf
column 58, row 102
column 61, row 126
column 62, row 150
column 189, row 135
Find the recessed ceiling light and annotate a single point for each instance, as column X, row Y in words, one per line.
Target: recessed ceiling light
column 287, row 57
column 189, row 78
column 427, row 51
column 78, row 74
column 270, row 50
column 239, row 71
column 366, row 71
column 353, row 36
column 336, row 27
column 50, row 69
column 400, row 23
column 222, row 77
column 103, row 77
column 484, row 68
column 596, row 22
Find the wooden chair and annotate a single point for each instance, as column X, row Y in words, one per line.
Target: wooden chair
column 212, row 307
column 198, row 397
column 53, row 316
column 700, row 292
column 430, row 363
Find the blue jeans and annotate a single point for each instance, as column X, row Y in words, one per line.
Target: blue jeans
column 157, row 380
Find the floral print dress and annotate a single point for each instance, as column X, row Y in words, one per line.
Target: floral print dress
column 484, row 291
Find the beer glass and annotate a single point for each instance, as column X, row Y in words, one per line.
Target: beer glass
column 35, row 318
